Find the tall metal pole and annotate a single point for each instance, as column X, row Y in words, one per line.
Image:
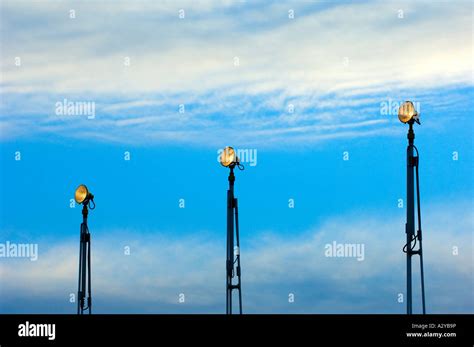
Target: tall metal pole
column 89, row 280
column 410, row 225
column 79, row 292
column 230, row 240
column 84, row 266
column 82, row 262
column 232, row 259
column 420, row 238
column 239, row 274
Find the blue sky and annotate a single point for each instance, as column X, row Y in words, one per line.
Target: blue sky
column 302, row 92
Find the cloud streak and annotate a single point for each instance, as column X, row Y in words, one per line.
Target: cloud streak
column 159, row 268
column 333, row 62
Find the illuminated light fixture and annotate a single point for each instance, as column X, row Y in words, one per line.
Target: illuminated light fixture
column 82, row 194
column 407, row 114
column 86, row 198
column 228, row 158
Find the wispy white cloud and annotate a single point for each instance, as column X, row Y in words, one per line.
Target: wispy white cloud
column 159, row 268
column 330, row 61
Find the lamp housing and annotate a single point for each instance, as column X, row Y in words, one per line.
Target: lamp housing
column 407, row 113
column 83, row 195
column 228, row 157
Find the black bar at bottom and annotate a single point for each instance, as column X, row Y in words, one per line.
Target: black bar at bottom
column 397, row 330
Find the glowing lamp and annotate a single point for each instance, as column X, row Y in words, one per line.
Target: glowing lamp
column 407, row 112
column 82, row 194
column 228, row 157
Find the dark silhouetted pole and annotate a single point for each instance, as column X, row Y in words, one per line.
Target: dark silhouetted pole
column 86, row 198
column 84, row 266
column 411, row 237
column 232, row 220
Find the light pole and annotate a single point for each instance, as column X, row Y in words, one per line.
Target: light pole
column 84, row 197
column 229, row 159
column 408, row 115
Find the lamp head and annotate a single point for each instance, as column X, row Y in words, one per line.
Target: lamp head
column 229, row 158
column 82, row 195
column 407, row 113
